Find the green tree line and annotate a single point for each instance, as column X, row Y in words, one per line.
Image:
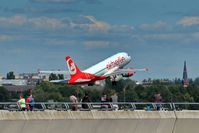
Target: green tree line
column 170, row 92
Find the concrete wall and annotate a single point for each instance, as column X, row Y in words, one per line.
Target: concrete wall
column 99, row 122
column 187, row 122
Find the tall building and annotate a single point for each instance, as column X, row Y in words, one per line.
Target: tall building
column 185, row 80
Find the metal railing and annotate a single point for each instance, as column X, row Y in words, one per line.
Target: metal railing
column 106, row 106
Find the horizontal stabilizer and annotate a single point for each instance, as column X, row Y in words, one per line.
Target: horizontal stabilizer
column 59, row 81
column 54, row 72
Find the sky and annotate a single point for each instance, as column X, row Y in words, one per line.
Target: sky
column 157, row 34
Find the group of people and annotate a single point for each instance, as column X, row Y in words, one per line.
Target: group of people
column 29, row 103
column 86, row 100
column 74, row 101
column 26, row 104
column 113, row 99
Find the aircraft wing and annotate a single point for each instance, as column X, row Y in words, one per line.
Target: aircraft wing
column 127, row 71
column 54, row 72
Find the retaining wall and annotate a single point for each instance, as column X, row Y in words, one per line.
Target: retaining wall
column 99, row 122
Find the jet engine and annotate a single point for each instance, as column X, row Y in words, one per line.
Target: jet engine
column 129, row 74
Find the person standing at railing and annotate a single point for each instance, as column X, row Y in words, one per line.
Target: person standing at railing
column 114, row 99
column 104, row 99
column 32, row 102
column 85, row 101
column 73, row 100
column 158, row 100
column 28, row 103
column 22, row 103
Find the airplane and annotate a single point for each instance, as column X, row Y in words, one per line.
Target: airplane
column 112, row 67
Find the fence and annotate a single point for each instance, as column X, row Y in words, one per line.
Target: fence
column 65, row 106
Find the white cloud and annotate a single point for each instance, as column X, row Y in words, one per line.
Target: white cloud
column 58, row 42
column 189, row 21
column 122, row 29
column 56, row 1
column 179, row 38
column 90, row 23
column 155, row 26
column 13, row 20
column 37, row 22
column 44, row 22
column 196, row 35
column 65, row 31
column 97, row 25
column 164, row 36
column 17, row 51
column 96, row 44
column 69, row 1
column 4, row 38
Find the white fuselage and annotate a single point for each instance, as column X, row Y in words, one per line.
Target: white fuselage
column 110, row 64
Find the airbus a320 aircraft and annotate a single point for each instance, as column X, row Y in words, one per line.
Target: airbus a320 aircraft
column 112, row 67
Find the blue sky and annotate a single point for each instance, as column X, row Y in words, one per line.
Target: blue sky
column 158, row 34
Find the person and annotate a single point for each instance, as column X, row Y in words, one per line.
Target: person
column 114, row 98
column 85, row 100
column 158, row 99
column 103, row 100
column 32, row 102
column 22, row 103
column 28, row 103
column 73, row 100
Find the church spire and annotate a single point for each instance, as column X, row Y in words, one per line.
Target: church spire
column 185, row 80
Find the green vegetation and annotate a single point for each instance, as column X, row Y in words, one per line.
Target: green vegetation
column 171, row 91
column 4, row 94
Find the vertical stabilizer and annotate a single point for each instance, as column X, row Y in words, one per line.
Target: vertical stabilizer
column 72, row 67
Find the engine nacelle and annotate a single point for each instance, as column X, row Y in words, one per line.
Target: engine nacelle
column 129, row 74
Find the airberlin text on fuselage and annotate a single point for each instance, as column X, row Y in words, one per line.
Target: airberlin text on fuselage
column 116, row 62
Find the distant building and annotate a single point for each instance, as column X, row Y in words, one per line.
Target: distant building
column 29, row 76
column 12, row 82
column 185, row 80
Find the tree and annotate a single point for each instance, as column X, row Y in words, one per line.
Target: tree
column 169, row 91
column 10, row 75
column 196, row 81
column 4, row 94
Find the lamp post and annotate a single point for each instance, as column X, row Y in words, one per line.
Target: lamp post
column 124, row 92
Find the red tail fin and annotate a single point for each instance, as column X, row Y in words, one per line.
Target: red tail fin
column 72, row 67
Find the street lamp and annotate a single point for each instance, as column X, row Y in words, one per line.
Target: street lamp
column 124, row 93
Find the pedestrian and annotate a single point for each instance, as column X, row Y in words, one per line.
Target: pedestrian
column 114, row 98
column 158, row 100
column 28, row 103
column 32, row 103
column 22, row 103
column 85, row 101
column 104, row 99
column 73, row 100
